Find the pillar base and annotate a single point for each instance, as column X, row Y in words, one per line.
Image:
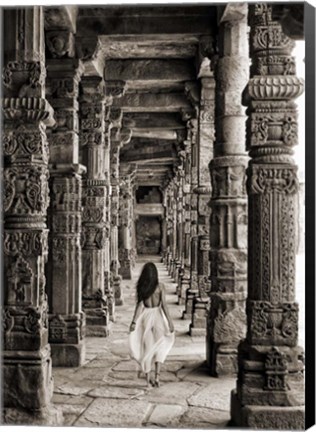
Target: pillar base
column 98, row 323
column 68, row 355
column 126, row 272
column 189, row 299
column 266, row 417
column 98, row 330
column 196, row 331
column 27, row 379
column 199, row 317
column 118, row 295
column 222, row 360
column 48, row 416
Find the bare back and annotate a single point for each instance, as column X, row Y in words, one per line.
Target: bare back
column 155, row 299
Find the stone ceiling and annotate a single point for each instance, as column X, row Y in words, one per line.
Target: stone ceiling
column 157, row 51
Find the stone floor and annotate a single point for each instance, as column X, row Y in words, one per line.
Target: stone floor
column 109, row 391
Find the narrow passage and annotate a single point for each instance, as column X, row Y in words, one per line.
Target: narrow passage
column 110, row 391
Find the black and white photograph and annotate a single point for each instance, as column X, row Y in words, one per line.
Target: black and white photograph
column 153, row 215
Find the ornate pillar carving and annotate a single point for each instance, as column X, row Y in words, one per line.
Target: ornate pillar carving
column 27, row 365
column 270, row 386
column 206, row 136
column 192, row 290
column 119, row 137
column 94, row 144
column 228, row 229
column 184, row 283
column 66, row 319
column 126, row 218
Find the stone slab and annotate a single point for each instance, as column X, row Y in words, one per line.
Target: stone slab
column 202, row 418
column 116, row 392
column 171, row 392
column 105, row 412
column 163, row 415
column 216, row 395
column 71, row 389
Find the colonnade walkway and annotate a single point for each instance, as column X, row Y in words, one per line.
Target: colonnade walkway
column 110, row 391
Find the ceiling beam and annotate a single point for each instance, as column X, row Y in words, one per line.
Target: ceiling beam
column 154, row 71
column 153, row 102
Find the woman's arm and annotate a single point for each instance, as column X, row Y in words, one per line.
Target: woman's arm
column 165, row 308
column 136, row 315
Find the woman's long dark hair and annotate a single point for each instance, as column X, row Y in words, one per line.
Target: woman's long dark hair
column 147, row 282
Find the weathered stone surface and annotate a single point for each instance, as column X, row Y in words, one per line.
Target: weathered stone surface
column 75, row 390
column 205, row 397
column 201, row 418
column 155, row 102
column 116, row 392
column 163, row 415
column 48, row 416
column 110, row 412
column 152, row 70
column 68, row 355
column 180, row 393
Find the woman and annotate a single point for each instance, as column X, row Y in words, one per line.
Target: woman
column 151, row 331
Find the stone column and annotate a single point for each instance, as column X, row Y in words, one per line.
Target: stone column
column 118, row 139
column 64, row 283
column 193, row 288
column 180, row 223
column 185, row 276
column 227, row 317
column 206, row 136
column 94, row 218
column 27, row 382
column 270, row 386
column 126, row 217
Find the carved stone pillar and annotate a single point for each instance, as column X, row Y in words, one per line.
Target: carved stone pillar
column 193, row 288
column 185, row 276
column 126, row 217
column 27, row 382
column 206, row 136
column 270, row 386
column 119, row 137
column 227, row 317
column 169, row 215
column 94, row 218
column 180, row 224
column 66, row 319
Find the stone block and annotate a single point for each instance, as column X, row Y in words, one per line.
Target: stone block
column 197, row 331
column 27, row 380
column 68, row 355
column 266, row 417
column 48, row 416
column 98, row 330
column 112, row 412
column 162, row 415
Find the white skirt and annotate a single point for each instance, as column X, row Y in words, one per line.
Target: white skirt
column 151, row 340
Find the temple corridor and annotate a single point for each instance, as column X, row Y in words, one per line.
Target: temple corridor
column 167, row 131
column 108, row 390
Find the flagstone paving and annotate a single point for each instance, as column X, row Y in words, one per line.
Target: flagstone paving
column 110, row 390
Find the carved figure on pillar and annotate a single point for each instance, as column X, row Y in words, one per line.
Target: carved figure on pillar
column 270, row 387
column 27, row 366
column 228, row 222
